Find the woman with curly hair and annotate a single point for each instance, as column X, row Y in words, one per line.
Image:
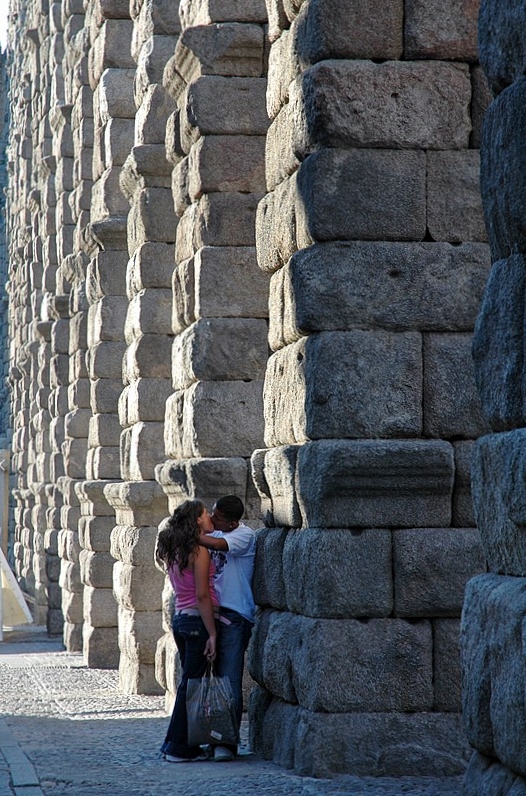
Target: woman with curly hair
column 196, row 610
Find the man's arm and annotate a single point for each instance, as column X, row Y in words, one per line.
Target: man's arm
column 213, row 542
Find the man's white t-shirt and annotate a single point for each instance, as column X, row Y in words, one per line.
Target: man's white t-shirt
column 234, row 570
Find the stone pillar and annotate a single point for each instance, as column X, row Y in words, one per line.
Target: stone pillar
column 5, row 415
column 495, row 603
column 65, row 424
column 372, row 230
column 139, row 502
column 214, row 415
column 71, row 411
column 33, row 264
column 110, row 73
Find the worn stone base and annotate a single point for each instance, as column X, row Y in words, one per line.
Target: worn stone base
column 377, row 744
column 72, row 637
column 139, row 679
column 101, row 649
column 487, row 775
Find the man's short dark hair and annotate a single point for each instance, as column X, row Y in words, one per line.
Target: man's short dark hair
column 231, row 507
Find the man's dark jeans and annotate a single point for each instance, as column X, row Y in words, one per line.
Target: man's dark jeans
column 232, row 644
column 190, row 636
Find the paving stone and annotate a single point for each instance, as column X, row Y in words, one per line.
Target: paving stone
column 130, row 736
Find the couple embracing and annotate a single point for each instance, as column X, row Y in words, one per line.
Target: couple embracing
column 209, row 559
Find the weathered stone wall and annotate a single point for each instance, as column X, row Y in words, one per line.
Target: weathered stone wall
column 159, row 153
column 373, row 232
column 214, row 413
column 5, row 414
column 493, row 620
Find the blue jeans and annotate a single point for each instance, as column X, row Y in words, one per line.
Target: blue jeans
column 232, row 644
column 190, row 636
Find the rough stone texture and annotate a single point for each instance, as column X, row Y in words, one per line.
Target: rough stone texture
column 275, row 479
column 446, row 665
column 316, row 117
column 349, row 29
column 337, row 573
column 349, row 741
column 397, row 655
column 140, row 148
column 451, row 404
column 218, row 349
column 184, row 479
column 501, row 42
column 432, row 567
column 498, row 345
column 375, row 393
column 497, row 606
column 480, row 101
column 392, row 105
column 503, row 196
column 442, row 31
column 397, row 286
column 212, row 417
column 486, row 775
column 492, row 628
column 366, row 178
column 497, row 476
column 367, row 483
column 268, row 582
column 462, row 503
column 204, row 116
column 228, row 283
column 454, row 207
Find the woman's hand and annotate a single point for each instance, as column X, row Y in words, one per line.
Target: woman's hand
column 210, row 648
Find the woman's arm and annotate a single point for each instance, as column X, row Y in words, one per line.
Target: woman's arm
column 203, row 599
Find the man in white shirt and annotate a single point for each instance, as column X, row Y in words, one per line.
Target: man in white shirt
column 232, row 547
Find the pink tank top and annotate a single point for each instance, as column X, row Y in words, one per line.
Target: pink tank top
column 183, row 584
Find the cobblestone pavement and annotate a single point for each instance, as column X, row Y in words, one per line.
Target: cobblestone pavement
column 69, row 726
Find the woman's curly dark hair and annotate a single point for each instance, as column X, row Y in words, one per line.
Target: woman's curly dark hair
column 180, row 535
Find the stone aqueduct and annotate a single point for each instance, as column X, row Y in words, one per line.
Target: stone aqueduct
column 188, row 184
